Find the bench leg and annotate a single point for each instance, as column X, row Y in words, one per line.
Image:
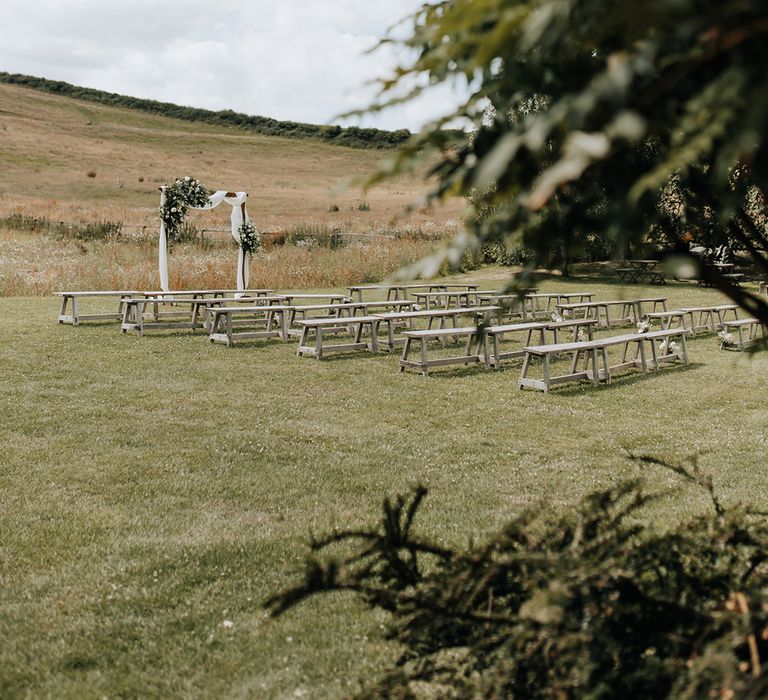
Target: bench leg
column 63, row 310
column 424, row 366
column 604, row 353
column 546, row 373
column 685, row 348
column 230, row 342
column 575, row 360
column 406, row 350
column 302, row 340
column 643, row 361
column 75, row 319
column 595, row 368
column 524, row 370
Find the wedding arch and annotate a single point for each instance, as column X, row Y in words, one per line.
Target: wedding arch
column 188, row 193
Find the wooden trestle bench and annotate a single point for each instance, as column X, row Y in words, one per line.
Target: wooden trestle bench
column 631, row 310
column 709, row 318
column 395, row 319
column 476, row 348
column 137, row 318
column 318, row 325
column 222, row 328
column 751, row 325
column 596, row 352
column 74, row 318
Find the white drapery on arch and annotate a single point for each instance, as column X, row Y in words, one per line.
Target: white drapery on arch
column 239, row 214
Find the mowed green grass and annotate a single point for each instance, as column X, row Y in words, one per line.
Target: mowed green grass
column 154, row 487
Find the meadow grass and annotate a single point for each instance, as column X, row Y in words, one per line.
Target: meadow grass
column 51, row 144
column 155, row 487
column 38, row 263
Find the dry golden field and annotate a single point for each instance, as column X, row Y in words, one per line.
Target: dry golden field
column 49, row 145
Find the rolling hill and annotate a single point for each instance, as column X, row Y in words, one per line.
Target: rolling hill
column 73, row 159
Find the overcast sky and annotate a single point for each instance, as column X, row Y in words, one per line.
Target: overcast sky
column 302, row 60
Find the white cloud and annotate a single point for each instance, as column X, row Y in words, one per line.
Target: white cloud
column 294, row 59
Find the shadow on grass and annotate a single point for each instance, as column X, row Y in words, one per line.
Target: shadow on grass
column 627, row 379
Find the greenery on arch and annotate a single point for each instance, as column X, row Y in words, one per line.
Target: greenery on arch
column 179, row 196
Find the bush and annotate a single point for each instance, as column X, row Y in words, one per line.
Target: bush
column 97, row 231
column 582, row 604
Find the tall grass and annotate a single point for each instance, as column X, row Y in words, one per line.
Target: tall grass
column 36, row 264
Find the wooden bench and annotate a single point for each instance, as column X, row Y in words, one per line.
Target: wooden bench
column 495, row 333
column 751, row 325
column 666, row 318
column 206, row 304
column 552, row 299
column 71, row 299
column 478, row 338
column 366, row 308
column 223, row 325
column 596, row 352
column 735, row 277
column 448, row 298
column 134, row 313
column 627, row 274
column 709, row 318
column 631, row 310
column 394, row 319
column 318, row 325
column 397, row 291
column 424, row 362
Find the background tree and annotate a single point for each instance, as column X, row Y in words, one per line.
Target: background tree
column 628, row 123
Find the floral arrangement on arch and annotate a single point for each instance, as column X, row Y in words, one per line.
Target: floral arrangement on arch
column 250, row 237
column 180, row 195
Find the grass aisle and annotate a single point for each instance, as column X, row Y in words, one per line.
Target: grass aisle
column 154, row 488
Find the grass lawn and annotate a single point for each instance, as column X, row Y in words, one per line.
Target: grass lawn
column 154, row 487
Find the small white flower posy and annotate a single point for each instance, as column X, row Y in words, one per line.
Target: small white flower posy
column 643, row 326
column 668, row 347
column 726, row 339
column 556, row 317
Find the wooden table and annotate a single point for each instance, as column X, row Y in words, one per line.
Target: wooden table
column 644, row 268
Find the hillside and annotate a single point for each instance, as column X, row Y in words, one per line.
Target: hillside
column 71, row 159
column 355, row 137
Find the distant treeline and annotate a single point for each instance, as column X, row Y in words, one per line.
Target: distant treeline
column 352, row 136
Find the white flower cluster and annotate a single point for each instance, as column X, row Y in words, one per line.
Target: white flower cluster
column 250, row 237
column 180, row 195
column 726, row 339
column 668, row 347
column 556, row 317
column 643, row 326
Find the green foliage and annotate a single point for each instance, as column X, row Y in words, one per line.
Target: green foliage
column 91, row 231
column 585, row 603
column 599, row 128
column 98, row 231
column 353, row 136
column 250, row 238
column 178, row 197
